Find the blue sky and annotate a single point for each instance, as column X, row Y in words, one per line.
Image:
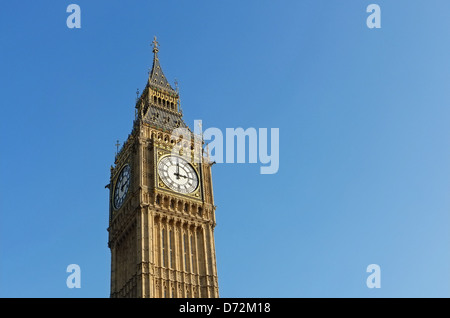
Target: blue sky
column 364, row 139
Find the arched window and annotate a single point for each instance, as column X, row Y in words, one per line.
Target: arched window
column 166, row 202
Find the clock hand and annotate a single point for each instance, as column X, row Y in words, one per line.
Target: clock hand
column 124, row 184
column 177, row 174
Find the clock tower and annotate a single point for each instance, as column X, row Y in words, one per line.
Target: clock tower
column 161, row 206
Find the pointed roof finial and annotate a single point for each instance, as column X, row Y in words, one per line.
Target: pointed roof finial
column 156, row 77
column 117, row 147
column 155, row 45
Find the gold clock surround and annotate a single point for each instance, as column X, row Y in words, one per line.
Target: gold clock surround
column 196, row 194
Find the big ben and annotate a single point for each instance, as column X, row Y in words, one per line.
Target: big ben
column 161, row 205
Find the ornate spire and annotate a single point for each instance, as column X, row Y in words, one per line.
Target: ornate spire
column 156, row 77
column 159, row 104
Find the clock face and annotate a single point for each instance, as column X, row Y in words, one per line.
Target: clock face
column 178, row 174
column 122, row 185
